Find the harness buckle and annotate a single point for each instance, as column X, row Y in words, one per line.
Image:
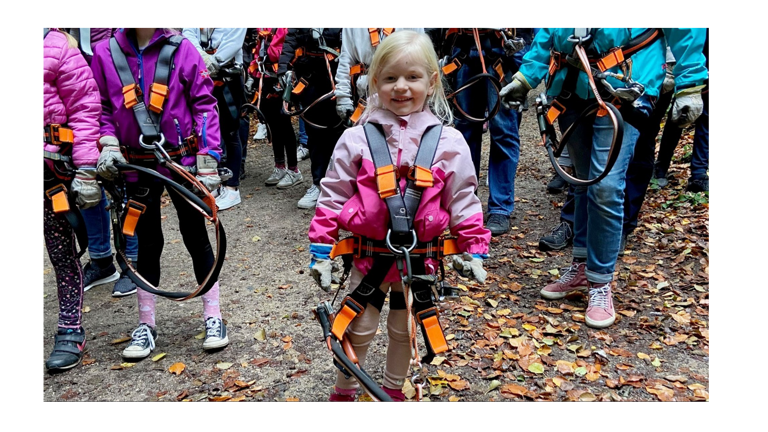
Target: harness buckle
column 421, row 176
column 386, row 181
column 131, row 94
column 350, row 309
column 134, row 210
column 157, row 95
column 58, row 197
column 452, row 66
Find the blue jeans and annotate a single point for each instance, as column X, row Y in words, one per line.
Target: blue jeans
column 302, row 133
column 98, row 226
column 505, row 139
column 598, row 209
column 700, row 157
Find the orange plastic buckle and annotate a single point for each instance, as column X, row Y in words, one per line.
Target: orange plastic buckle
column 59, row 135
column 447, row 246
column 554, row 111
column 300, row 87
column 602, row 112
column 358, row 112
column 388, row 31
column 346, row 246
column 614, row 57
column 499, row 68
column 135, row 209
column 428, row 319
column 275, row 66
column 58, row 196
column 421, row 176
column 356, row 69
column 157, row 95
column 264, row 33
column 131, row 94
column 386, row 181
column 374, row 33
column 452, row 66
column 554, row 62
column 350, row 310
column 299, row 52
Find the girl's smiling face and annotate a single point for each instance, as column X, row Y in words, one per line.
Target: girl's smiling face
column 404, row 86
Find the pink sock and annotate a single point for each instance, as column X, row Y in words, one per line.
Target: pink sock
column 211, row 302
column 294, row 169
column 280, row 166
column 146, row 307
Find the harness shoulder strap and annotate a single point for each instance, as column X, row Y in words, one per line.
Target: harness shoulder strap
column 45, row 32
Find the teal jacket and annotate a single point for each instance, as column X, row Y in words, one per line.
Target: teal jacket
column 648, row 64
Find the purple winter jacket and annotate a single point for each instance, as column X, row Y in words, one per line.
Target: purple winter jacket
column 189, row 98
column 70, row 97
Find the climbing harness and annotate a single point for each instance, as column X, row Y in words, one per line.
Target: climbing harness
column 292, row 105
column 454, row 63
column 356, row 71
column 400, row 245
column 264, row 68
column 125, row 219
column 595, row 66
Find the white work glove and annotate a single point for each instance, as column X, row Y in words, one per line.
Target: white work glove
column 110, row 155
column 470, row 265
column 362, row 85
column 344, row 107
column 85, row 187
column 211, row 63
column 514, row 93
column 207, row 171
column 688, row 106
column 321, row 266
column 669, row 81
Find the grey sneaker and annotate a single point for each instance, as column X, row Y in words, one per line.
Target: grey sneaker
column 215, row 334
column 228, row 198
column 277, row 175
column 95, row 276
column 291, row 179
column 309, row 199
column 124, row 286
column 142, row 343
column 302, row 153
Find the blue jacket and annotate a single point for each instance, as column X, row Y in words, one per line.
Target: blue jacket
column 648, row 64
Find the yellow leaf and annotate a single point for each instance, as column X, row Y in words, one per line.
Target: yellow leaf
column 127, row 365
column 437, row 361
column 120, row 340
column 462, row 287
column 200, row 335
column 261, row 335
column 450, row 337
column 536, row 368
column 544, row 350
column 158, row 357
column 223, row 365
column 86, row 309
column 177, row 368
column 587, row 397
column 492, row 302
column 453, row 398
column 643, row 356
column 255, row 238
column 504, row 312
column 529, row 327
column 655, row 345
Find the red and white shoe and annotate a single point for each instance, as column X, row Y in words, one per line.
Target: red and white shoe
column 342, row 395
column 600, row 313
column 574, row 279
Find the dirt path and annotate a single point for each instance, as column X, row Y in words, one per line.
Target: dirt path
column 499, row 332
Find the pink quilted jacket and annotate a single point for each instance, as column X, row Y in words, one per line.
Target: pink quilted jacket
column 71, row 97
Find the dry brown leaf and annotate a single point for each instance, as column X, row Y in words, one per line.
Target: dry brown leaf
column 514, row 389
column 459, row 385
column 177, row 368
column 664, row 394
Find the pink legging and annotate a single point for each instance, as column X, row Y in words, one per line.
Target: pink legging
column 363, row 329
column 147, row 305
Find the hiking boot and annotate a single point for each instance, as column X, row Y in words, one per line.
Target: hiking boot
column 698, row 185
column 68, row 349
column 600, row 313
column 396, row 394
column 261, row 132
column 291, row 179
column 559, row 238
column 142, row 343
column 309, row 199
column 623, row 244
column 277, row 175
column 342, row 395
column 228, row 198
column 215, row 334
column 124, row 286
column 93, row 275
column 557, row 185
column 302, row 153
column 498, row 224
column 574, row 279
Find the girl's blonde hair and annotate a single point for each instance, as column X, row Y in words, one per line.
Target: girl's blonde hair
column 419, row 47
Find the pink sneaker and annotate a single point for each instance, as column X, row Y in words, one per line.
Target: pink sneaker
column 342, row 395
column 573, row 279
column 600, row 313
column 395, row 394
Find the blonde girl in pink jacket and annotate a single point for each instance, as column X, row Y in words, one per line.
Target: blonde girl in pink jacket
column 408, row 97
column 71, row 111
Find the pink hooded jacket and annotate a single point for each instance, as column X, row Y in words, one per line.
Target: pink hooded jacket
column 349, row 199
column 70, row 97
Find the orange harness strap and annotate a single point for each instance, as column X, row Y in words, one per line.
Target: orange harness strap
column 135, row 209
column 434, row 336
column 350, row 309
column 58, row 197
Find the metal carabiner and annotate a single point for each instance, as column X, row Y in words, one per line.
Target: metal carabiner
column 156, row 146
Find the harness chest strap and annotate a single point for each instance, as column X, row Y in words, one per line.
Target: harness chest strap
column 373, row 33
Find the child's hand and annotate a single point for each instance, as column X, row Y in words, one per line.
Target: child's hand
column 85, row 188
column 321, row 267
column 110, row 155
column 470, row 265
column 207, row 172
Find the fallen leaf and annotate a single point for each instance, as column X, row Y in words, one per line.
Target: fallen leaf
column 291, row 399
column 200, row 335
column 643, row 356
column 580, row 371
column 459, row 385
column 491, row 302
column 664, row 394
column 120, row 340
column 261, row 335
column 536, row 368
column 504, row 312
column 158, row 357
column 177, row 368
column 259, row 361
column 494, row 385
column 678, row 378
column 223, row 365
column 453, row 398
column 513, row 389
column 86, row 309
column 255, row 238
column 437, row 360
column 587, row 397
column 127, row 365
column 220, row 398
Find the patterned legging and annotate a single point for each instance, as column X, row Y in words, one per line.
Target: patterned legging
column 60, row 241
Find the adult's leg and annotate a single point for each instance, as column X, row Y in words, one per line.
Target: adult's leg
column 700, row 159
column 504, row 156
column 473, row 101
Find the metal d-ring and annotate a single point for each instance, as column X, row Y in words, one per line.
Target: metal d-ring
column 399, row 251
column 156, row 146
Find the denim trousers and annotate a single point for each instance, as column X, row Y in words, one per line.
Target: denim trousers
column 598, row 209
column 97, row 224
column 700, row 158
column 503, row 127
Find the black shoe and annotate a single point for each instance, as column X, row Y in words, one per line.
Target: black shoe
column 124, row 286
column 557, row 185
column 698, row 185
column 68, row 349
column 661, row 177
column 93, row 275
column 623, row 244
column 498, row 224
column 560, row 237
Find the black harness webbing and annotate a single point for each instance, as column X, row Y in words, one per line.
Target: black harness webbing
column 148, row 120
